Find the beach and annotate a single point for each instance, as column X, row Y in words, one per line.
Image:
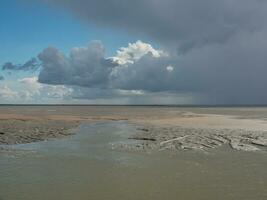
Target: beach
column 161, row 128
column 138, row 152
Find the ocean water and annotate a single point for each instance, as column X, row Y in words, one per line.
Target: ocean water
column 84, row 166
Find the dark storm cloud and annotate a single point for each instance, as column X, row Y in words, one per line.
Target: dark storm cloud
column 86, row 66
column 184, row 23
column 234, row 72
column 31, row 64
column 149, row 73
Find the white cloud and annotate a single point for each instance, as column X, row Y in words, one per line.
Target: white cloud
column 58, row 91
column 169, row 68
column 135, row 51
column 32, row 84
column 7, row 93
column 131, row 92
column 33, row 89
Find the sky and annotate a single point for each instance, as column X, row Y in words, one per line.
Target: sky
column 133, row 52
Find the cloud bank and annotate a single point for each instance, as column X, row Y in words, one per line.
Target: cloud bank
column 183, row 23
column 219, row 73
column 31, row 64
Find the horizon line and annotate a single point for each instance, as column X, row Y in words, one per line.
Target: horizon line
column 136, row 105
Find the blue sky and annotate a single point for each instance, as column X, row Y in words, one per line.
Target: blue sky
column 27, row 28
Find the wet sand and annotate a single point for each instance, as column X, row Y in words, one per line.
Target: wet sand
column 83, row 167
column 133, row 153
column 159, row 128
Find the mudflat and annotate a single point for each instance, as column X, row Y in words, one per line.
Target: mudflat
column 158, row 128
column 121, row 152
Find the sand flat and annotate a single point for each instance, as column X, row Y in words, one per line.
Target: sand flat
column 203, row 128
column 132, row 153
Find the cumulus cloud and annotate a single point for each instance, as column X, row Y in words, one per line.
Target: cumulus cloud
column 169, row 68
column 135, row 51
column 35, row 90
column 31, row 64
column 220, row 72
column 29, row 90
column 149, row 73
column 136, row 67
column 31, row 82
column 85, row 66
column 7, row 93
